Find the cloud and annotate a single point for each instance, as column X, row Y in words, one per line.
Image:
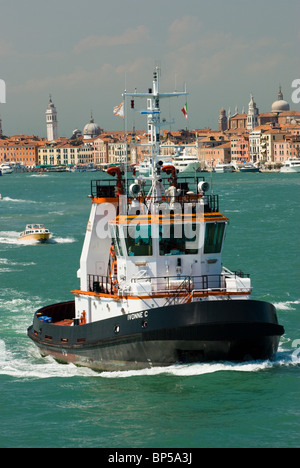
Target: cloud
column 265, row 64
column 76, row 78
column 6, row 49
column 184, row 29
column 130, row 36
column 81, row 77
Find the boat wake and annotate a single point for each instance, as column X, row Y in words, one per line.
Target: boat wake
column 16, row 200
column 283, row 359
column 32, row 366
column 6, row 265
column 61, row 240
column 287, row 305
column 9, row 237
column 12, row 237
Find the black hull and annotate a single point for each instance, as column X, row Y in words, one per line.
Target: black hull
column 235, row 330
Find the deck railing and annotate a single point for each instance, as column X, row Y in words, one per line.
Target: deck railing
column 189, row 192
column 168, row 285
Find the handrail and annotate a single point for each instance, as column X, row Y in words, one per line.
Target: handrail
column 173, row 286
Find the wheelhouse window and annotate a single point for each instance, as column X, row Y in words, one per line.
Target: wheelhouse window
column 214, row 233
column 179, row 239
column 138, row 240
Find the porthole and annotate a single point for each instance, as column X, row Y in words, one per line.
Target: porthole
column 144, row 323
column 117, row 329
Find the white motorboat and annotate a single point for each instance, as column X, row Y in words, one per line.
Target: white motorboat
column 6, row 169
column 221, row 168
column 291, row 165
column 35, row 232
column 248, row 167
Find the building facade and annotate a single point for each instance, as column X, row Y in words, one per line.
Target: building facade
column 22, row 149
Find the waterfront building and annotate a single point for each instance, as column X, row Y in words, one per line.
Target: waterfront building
column 288, row 147
column 85, row 152
column 240, row 148
column 212, row 155
column 22, row 149
column 101, row 150
column 119, row 151
column 261, row 143
column 62, row 152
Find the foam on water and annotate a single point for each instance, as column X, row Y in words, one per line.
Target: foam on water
column 9, row 237
column 16, row 200
column 283, row 359
column 31, row 365
column 12, row 237
column 62, row 240
column 287, row 305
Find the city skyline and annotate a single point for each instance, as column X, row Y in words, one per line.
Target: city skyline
column 84, row 55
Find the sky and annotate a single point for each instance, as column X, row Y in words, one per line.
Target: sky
column 85, row 53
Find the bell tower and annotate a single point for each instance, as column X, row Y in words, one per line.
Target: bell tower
column 253, row 112
column 51, row 121
column 222, row 121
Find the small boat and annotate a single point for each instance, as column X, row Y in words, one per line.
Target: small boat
column 249, row 167
column 221, row 168
column 291, row 165
column 6, row 169
column 35, row 232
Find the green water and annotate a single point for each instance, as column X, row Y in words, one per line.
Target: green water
column 45, row 404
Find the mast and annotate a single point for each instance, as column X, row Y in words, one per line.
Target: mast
column 154, row 124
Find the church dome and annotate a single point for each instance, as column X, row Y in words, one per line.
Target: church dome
column 280, row 105
column 91, row 130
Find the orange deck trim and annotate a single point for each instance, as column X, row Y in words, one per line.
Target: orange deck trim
column 78, row 292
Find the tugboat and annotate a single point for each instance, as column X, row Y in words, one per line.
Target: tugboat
column 153, row 291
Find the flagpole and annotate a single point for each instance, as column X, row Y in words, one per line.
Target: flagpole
column 125, row 134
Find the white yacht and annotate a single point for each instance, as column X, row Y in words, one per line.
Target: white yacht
column 221, row 168
column 6, row 169
column 291, row 165
column 187, row 162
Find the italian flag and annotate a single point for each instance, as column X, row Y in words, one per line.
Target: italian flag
column 184, row 111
